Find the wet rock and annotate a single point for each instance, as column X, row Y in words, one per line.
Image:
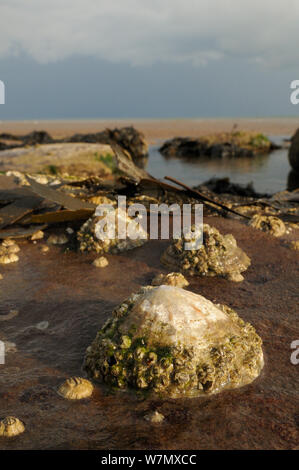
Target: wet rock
column 225, row 186
column 218, row 255
column 171, row 279
column 11, row 426
column 93, row 237
column 268, row 223
column 100, row 262
column 76, row 388
column 173, row 342
column 294, row 152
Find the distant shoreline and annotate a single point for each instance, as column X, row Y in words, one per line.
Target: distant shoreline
column 156, row 129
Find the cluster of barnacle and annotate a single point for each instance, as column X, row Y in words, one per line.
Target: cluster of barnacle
column 90, row 240
column 125, row 360
column 218, row 255
column 170, row 279
column 8, row 252
column 268, row 223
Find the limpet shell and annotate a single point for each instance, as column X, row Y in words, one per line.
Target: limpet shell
column 11, row 426
column 175, row 343
column 212, row 254
column 76, row 388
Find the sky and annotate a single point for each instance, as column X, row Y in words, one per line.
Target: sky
column 148, row 58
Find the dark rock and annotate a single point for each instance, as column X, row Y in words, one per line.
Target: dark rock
column 293, row 180
column 229, row 144
column 294, row 152
column 37, row 137
column 127, row 137
column 193, row 148
column 224, row 186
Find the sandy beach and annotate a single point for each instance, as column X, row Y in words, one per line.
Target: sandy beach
column 156, row 129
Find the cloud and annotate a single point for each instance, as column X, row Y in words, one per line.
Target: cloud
column 142, row 32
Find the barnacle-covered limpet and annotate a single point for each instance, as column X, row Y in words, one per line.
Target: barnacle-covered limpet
column 100, row 262
column 57, row 239
column 268, row 223
column 76, row 388
column 109, row 238
column 154, row 417
column 171, row 279
column 218, row 255
column 11, row 426
column 176, row 343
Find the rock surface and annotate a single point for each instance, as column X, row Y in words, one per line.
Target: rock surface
column 176, row 343
column 74, row 158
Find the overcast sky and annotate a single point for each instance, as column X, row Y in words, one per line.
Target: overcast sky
column 148, row 58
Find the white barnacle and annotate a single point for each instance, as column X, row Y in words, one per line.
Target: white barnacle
column 11, row 426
